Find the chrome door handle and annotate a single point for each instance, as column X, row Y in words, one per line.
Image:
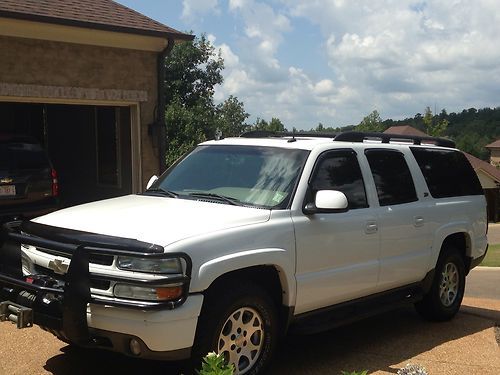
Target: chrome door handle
column 371, row 227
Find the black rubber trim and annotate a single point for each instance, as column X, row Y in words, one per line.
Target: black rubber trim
column 75, row 237
column 474, row 262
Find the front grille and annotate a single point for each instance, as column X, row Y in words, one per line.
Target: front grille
column 94, row 284
column 103, row 260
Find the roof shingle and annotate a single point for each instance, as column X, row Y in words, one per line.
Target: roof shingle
column 486, row 167
column 405, row 130
column 495, row 144
column 99, row 14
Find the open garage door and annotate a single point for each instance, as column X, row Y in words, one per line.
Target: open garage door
column 89, row 146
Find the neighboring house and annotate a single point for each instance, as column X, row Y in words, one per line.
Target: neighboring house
column 405, row 130
column 84, row 77
column 489, row 176
column 494, row 153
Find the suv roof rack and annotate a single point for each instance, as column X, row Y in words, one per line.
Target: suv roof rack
column 386, row 138
column 270, row 133
column 353, row 136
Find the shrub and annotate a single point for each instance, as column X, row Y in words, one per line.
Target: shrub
column 215, row 364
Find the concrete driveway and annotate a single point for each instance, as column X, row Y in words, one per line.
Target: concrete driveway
column 381, row 345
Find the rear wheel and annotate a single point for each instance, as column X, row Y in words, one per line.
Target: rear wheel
column 444, row 298
column 241, row 325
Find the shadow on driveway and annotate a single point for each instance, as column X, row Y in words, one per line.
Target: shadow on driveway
column 375, row 344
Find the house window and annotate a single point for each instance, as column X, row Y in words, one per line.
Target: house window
column 108, row 147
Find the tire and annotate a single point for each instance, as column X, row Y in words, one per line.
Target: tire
column 239, row 323
column 444, row 298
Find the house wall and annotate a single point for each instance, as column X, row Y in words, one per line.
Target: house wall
column 495, row 157
column 76, row 67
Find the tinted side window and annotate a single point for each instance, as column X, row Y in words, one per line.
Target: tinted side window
column 392, row 177
column 447, row 173
column 339, row 170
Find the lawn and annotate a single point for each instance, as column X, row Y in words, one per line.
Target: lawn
column 492, row 259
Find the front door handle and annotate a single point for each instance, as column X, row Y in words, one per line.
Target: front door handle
column 371, row 227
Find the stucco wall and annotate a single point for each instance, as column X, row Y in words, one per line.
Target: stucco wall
column 37, row 62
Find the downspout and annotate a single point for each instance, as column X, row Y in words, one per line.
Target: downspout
column 162, row 139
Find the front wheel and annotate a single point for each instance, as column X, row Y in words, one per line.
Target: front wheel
column 444, row 298
column 241, row 325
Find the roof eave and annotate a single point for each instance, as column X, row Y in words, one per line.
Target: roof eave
column 96, row 26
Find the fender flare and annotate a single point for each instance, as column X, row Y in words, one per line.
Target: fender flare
column 212, row 269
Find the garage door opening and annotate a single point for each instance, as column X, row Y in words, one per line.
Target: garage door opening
column 89, row 146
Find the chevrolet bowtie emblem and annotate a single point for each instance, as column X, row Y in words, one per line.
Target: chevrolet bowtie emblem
column 58, row 266
column 6, row 180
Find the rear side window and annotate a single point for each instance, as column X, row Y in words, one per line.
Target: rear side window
column 447, row 173
column 392, row 177
column 339, row 170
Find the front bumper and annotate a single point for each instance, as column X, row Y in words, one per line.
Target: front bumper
column 66, row 306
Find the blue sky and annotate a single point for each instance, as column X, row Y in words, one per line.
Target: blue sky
column 335, row 61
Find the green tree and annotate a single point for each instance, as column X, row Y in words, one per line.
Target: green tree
column 231, row 117
column 435, row 125
column 193, row 69
column 275, row 125
column 371, row 123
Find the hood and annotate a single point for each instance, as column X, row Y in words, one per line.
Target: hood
column 158, row 220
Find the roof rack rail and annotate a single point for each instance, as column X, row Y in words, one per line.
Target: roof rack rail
column 386, row 138
column 270, row 133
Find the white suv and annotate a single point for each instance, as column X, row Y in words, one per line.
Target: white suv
column 246, row 238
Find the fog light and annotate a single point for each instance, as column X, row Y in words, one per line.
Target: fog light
column 135, row 347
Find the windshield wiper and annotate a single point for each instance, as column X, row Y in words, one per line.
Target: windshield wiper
column 217, row 197
column 161, row 192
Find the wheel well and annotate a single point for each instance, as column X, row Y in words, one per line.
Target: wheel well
column 461, row 242
column 266, row 277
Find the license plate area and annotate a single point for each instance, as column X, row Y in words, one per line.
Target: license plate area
column 7, row 190
column 17, row 314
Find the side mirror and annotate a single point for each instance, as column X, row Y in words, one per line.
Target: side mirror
column 327, row 201
column 151, row 181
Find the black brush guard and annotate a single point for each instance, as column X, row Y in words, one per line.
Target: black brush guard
column 61, row 306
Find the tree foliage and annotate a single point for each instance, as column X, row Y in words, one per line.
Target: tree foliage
column 371, row 123
column 192, row 70
column 275, row 125
column 435, row 125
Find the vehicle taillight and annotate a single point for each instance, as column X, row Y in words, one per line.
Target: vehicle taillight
column 55, row 183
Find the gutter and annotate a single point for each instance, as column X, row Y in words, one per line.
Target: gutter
column 162, row 139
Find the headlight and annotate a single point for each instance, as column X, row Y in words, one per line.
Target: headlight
column 149, row 293
column 165, row 266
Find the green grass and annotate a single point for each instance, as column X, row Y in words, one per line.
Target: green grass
column 492, row 259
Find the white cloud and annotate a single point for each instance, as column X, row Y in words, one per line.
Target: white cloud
column 191, row 9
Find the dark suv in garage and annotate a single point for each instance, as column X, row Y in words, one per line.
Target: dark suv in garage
column 28, row 182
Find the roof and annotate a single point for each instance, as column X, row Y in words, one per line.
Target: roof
column 484, row 166
column 94, row 14
column 405, row 130
column 494, row 144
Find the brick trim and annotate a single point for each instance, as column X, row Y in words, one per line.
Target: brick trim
column 72, row 93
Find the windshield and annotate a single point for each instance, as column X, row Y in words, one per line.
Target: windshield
column 243, row 175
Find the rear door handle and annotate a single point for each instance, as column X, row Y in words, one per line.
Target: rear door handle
column 371, row 227
column 419, row 221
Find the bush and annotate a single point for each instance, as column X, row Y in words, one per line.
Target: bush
column 215, row 364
